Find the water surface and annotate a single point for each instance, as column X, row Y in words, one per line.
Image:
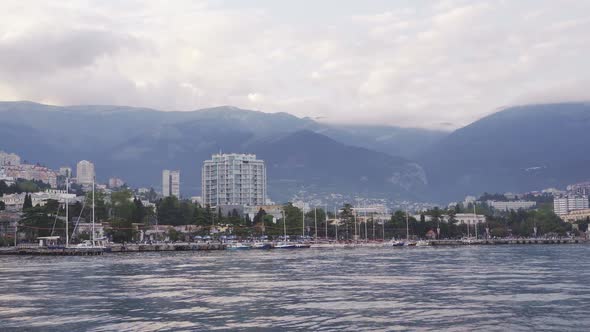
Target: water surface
column 492, row 288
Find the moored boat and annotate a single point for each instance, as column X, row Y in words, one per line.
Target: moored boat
column 237, row 246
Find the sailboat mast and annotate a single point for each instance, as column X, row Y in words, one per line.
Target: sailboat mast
column 366, row 234
column 475, row 219
column 407, row 225
column 326, row 220
column 93, row 208
column 315, row 219
column 67, row 211
column 303, row 220
column 284, row 226
column 336, row 221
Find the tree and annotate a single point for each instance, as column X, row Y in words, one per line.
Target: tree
column 28, row 203
column 259, row 217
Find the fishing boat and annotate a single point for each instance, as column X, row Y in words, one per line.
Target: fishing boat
column 237, row 246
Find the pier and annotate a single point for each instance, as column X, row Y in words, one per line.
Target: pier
column 506, row 241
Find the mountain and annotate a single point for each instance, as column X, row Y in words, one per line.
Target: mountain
column 137, row 143
column 518, row 149
column 309, row 159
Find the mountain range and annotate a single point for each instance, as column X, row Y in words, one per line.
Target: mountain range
column 517, row 149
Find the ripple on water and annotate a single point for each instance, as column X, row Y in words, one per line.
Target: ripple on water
column 493, row 288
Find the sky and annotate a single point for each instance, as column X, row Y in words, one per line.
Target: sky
column 427, row 64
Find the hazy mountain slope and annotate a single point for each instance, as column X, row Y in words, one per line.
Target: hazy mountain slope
column 321, row 163
column 518, row 149
column 136, row 144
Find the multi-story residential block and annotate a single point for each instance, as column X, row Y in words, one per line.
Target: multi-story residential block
column 170, row 183
column 512, row 205
column 234, row 179
column 566, row 204
column 582, row 188
column 85, row 172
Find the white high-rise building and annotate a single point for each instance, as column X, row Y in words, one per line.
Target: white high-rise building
column 234, row 179
column 85, row 172
column 170, row 183
column 566, row 204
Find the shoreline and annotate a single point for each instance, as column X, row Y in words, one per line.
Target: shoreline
column 168, row 247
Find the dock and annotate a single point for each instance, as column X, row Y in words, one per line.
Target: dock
column 506, row 241
column 44, row 251
column 119, row 248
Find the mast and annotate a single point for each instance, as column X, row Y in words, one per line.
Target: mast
column 315, row 218
column 67, row 212
column 93, row 208
column 407, row 225
column 336, row 223
column 303, row 219
column 326, row 220
column 475, row 218
column 383, row 223
column 366, row 234
column 355, row 235
column 284, row 226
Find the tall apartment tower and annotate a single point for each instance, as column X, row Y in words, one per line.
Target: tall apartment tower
column 170, row 183
column 234, row 179
column 85, row 172
column 566, row 204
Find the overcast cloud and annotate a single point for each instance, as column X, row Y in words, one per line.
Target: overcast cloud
column 408, row 63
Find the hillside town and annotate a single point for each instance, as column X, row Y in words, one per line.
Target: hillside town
column 234, row 203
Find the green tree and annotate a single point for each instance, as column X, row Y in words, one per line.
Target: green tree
column 28, row 203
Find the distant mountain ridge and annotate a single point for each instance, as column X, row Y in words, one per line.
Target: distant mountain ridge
column 136, row 144
column 518, row 149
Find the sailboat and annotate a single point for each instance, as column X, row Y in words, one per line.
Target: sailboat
column 284, row 244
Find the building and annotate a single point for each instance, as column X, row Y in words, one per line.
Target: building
column 85, row 172
column 234, row 179
column 170, row 183
column 470, row 218
column 31, row 172
column 65, row 171
column 566, row 204
column 582, row 188
column 9, row 159
column 116, row 183
column 512, row 205
column 576, row 215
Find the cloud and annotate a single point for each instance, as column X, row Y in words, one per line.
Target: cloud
column 435, row 64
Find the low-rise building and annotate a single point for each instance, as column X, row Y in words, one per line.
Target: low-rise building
column 470, row 218
column 511, row 205
column 576, row 215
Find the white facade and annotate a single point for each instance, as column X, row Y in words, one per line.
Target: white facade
column 470, row 218
column 116, row 183
column 65, row 171
column 85, row 172
column 234, row 179
column 170, row 183
column 564, row 205
column 513, row 205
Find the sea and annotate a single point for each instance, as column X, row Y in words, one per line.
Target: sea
column 463, row 288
